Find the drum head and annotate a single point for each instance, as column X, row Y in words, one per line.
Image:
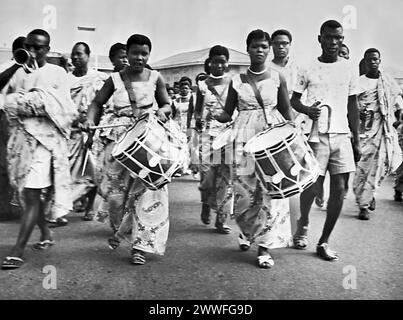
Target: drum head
column 129, row 137
column 268, row 138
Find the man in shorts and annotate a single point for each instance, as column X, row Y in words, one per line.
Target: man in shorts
column 329, row 80
column 40, row 112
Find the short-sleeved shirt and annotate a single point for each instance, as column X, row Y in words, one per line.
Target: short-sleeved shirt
column 331, row 84
column 49, row 75
column 289, row 71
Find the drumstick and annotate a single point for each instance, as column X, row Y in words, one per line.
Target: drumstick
column 109, row 126
column 85, row 162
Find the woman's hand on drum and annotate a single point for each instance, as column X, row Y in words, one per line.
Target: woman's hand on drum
column 86, row 126
column 161, row 115
column 211, row 115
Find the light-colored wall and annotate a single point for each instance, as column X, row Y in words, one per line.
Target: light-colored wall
column 175, row 73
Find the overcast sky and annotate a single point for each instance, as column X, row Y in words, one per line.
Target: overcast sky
column 176, row 26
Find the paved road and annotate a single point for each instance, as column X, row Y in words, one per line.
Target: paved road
column 202, row 264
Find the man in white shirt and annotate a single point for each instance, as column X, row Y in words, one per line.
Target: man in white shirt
column 329, row 80
column 344, row 53
column 40, row 111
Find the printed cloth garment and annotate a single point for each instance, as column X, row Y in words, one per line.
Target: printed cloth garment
column 83, row 90
column 261, row 219
column 212, row 163
column 399, row 171
column 381, row 154
column 183, row 116
column 136, row 214
column 184, row 106
column 40, row 111
column 146, row 222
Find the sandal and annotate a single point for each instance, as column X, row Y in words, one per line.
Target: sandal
column 43, row 245
column 59, row 222
column 244, row 244
column 138, row 257
column 325, row 253
column 222, row 228
column 12, row 263
column 264, row 259
column 113, row 243
column 300, row 238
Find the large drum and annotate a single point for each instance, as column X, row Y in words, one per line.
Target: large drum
column 285, row 163
column 150, row 151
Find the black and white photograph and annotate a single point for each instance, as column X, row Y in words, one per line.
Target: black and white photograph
column 215, row 151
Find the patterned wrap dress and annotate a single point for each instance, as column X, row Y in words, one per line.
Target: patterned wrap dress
column 137, row 214
column 185, row 105
column 209, row 158
column 262, row 220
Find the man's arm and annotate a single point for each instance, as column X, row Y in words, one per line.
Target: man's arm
column 162, row 98
column 312, row 112
column 25, row 105
column 300, row 85
column 354, row 122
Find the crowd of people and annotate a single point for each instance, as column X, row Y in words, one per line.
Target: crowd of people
column 64, row 123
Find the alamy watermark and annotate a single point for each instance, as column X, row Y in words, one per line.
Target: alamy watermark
column 350, row 280
column 50, row 280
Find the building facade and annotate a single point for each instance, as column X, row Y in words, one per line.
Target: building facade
column 190, row 64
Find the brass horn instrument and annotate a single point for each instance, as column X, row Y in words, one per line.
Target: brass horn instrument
column 25, row 59
column 314, row 134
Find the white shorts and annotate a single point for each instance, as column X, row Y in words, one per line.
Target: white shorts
column 334, row 153
column 39, row 173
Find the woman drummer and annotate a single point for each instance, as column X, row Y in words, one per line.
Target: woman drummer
column 210, row 101
column 137, row 214
column 262, row 220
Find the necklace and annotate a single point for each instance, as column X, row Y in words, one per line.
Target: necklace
column 257, row 73
column 217, row 77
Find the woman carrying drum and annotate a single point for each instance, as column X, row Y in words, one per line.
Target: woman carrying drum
column 132, row 207
column 210, row 101
column 261, row 219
